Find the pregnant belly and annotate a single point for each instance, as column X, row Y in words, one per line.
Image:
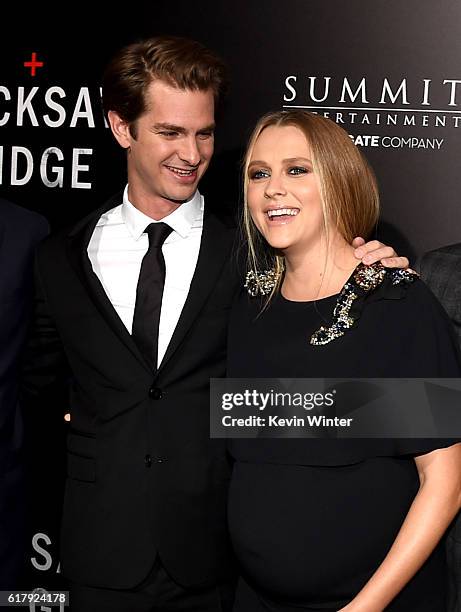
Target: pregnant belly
column 307, row 534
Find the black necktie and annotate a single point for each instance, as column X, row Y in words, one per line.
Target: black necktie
column 149, row 294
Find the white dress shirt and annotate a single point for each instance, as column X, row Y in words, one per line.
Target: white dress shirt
column 118, row 245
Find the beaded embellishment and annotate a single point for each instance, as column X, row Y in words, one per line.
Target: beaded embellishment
column 261, row 283
column 363, row 280
column 369, row 277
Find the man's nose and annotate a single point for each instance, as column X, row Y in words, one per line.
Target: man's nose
column 189, row 152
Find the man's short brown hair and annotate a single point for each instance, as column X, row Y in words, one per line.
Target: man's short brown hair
column 179, row 62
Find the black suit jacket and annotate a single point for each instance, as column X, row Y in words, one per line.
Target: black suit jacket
column 441, row 271
column 144, row 477
column 20, row 231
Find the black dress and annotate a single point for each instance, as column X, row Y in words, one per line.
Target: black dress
column 311, row 519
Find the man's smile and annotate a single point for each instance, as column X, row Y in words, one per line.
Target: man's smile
column 182, row 171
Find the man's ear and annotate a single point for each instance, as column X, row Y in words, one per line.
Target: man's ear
column 120, row 129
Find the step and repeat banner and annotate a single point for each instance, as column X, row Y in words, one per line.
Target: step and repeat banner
column 388, row 72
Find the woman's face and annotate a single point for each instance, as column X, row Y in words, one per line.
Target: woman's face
column 283, row 191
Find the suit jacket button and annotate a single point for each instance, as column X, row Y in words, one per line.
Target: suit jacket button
column 147, row 461
column 155, row 393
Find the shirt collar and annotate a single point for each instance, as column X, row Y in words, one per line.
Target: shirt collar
column 180, row 220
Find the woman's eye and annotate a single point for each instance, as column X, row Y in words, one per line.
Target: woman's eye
column 258, row 174
column 295, row 170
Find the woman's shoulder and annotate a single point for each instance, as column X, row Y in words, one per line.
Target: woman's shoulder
column 391, row 307
column 257, row 290
column 245, row 309
column 391, row 287
column 413, row 321
column 406, row 292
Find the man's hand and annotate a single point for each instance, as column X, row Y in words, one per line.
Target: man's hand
column 373, row 251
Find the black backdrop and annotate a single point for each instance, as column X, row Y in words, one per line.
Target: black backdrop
column 390, row 69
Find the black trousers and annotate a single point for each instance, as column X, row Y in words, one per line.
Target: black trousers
column 157, row 593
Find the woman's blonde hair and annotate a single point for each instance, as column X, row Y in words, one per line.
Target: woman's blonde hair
column 348, row 188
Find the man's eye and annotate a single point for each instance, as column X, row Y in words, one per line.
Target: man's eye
column 295, row 170
column 258, row 174
column 168, row 133
column 205, row 135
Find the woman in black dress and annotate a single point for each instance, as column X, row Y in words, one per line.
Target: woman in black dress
column 350, row 525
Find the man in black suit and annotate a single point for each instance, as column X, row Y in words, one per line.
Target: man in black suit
column 440, row 269
column 135, row 298
column 20, row 231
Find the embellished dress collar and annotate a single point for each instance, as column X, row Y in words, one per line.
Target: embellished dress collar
column 374, row 280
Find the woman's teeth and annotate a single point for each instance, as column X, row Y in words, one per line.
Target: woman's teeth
column 280, row 212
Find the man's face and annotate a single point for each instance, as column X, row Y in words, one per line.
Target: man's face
column 173, row 146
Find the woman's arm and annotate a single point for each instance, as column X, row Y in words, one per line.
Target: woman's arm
column 434, row 507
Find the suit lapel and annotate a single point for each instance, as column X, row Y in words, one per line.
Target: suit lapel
column 77, row 250
column 215, row 249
